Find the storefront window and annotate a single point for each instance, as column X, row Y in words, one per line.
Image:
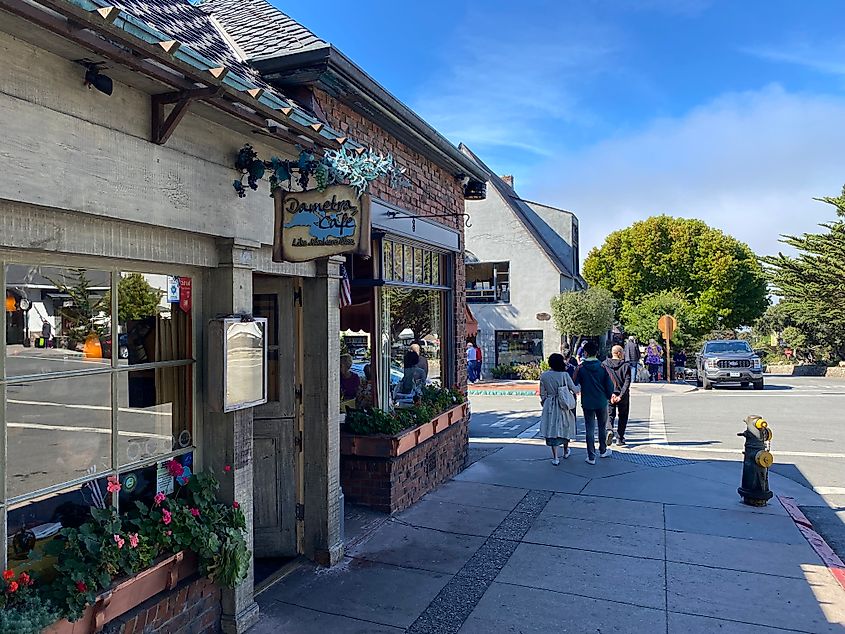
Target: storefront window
column 519, row 346
column 58, row 430
column 413, row 316
column 57, row 319
column 68, row 363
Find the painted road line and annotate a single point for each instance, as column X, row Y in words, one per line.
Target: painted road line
column 738, row 451
column 829, row 490
column 656, row 422
column 530, row 432
column 89, row 430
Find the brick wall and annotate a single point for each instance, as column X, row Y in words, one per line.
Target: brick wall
column 193, row 607
column 393, row 484
column 433, row 190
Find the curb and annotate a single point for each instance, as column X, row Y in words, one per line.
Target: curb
column 504, row 392
column 816, row 541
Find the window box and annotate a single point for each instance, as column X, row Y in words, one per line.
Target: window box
column 391, row 446
column 129, row 593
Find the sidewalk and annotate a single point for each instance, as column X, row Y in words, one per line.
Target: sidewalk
column 638, row 543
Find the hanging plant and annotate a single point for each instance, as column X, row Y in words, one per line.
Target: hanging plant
column 337, row 166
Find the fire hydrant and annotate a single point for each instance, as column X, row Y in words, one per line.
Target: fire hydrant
column 755, row 465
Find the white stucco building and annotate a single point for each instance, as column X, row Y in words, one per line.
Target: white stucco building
column 519, row 255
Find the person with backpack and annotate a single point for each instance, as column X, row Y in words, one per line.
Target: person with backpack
column 619, row 371
column 596, row 390
column 557, row 396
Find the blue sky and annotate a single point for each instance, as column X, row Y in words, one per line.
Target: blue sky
column 730, row 111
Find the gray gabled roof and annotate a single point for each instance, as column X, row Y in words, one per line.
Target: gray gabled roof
column 260, row 29
column 558, row 250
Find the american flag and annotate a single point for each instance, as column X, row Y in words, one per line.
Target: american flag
column 345, row 292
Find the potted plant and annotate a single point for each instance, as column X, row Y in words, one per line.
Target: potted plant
column 113, row 562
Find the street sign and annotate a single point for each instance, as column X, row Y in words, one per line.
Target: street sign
column 667, row 325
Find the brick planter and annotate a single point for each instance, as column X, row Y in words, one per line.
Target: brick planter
column 390, row 473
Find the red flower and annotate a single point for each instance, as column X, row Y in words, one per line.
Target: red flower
column 13, row 587
column 165, row 516
column 174, row 468
column 227, row 468
column 25, row 579
column 8, row 575
column 80, row 585
column 159, row 498
column 113, row 485
column 195, row 512
column 235, row 505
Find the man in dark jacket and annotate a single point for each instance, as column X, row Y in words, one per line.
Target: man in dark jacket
column 632, row 356
column 596, row 390
column 619, row 371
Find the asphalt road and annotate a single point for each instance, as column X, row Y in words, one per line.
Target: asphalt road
column 806, row 415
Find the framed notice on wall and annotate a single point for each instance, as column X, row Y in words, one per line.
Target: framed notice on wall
column 316, row 224
column 237, row 363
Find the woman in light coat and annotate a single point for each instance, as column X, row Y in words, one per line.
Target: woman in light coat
column 557, row 423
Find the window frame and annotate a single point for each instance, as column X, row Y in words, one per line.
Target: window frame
column 113, row 369
column 495, row 294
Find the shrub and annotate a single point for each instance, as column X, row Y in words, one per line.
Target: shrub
column 432, row 402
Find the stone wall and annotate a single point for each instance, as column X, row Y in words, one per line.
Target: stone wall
column 193, row 607
column 392, row 484
column 433, row 190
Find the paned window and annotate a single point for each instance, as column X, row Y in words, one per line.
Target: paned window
column 99, row 381
column 519, row 346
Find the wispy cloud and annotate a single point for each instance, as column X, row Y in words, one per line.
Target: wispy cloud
column 514, row 77
column 828, row 58
column 749, row 163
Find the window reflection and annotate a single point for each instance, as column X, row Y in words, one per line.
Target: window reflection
column 414, row 322
column 58, row 430
column 154, row 412
column 154, row 322
column 57, row 319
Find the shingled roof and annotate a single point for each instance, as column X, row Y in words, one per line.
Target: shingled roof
column 260, row 29
column 558, row 250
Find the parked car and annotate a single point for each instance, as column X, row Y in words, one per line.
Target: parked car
column 396, row 373
column 728, row 361
column 122, row 343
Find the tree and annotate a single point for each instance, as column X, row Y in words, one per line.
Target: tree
column 411, row 308
column 641, row 318
column 716, row 274
column 87, row 310
column 811, row 288
column 136, row 298
column 583, row 313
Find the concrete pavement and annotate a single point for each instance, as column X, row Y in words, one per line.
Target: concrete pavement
column 640, row 542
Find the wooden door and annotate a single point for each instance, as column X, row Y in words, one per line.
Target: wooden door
column 276, row 429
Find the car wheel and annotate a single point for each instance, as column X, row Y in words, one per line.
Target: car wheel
column 758, row 385
column 698, row 382
column 708, row 385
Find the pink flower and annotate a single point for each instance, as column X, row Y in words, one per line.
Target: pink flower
column 133, row 540
column 174, row 468
column 119, row 541
column 195, row 512
column 169, row 533
column 113, row 485
column 159, row 498
column 25, row 579
column 227, row 468
column 235, row 505
column 165, row 516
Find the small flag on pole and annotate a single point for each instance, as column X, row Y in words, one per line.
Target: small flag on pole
column 345, row 293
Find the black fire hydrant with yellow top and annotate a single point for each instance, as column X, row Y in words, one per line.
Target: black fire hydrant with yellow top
column 755, row 465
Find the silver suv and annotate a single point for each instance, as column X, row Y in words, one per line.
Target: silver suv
column 728, row 361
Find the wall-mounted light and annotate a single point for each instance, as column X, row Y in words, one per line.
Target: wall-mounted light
column 94, row 78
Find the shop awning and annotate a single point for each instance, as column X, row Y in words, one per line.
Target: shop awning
column 472, row 323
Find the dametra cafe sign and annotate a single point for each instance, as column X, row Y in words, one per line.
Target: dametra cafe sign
column 316, row 224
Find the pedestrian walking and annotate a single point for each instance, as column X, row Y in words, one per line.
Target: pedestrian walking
column 557, row 396
column 472, row 357
column 423, row 362
column 653, row 359
column 619, row 371
column 680, row 361
column 579, row 355
column 596, row 390
column 632, row 356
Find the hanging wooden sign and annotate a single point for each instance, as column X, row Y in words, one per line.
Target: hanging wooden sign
column 316, row 224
